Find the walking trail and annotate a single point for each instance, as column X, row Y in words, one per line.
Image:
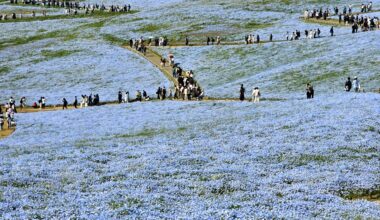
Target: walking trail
column 155, row 58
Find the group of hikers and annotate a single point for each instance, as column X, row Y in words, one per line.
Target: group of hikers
column 209, row 40
column 366, row 23
column 123, row 96
column 309, row 34
column 72, row 8
column 347, row 10
column 251, row 38
column 140, row 43
column 74, row 5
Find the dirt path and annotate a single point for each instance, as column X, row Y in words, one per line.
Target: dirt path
column 155, row 59
column 6, row 131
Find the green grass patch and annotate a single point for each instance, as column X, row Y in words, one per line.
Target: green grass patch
column 50, row 54
column 255, row 25
column 152, row 27
column 114, row 40
column 115, row 205
column 4, row 69
column 25, row 40
column 145, row 133
column 149, row 133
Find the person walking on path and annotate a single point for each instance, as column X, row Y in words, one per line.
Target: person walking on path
column 256, row 95
column 126, row 97
column 218, row 40
column 356, row 84
column 242, row 91
column 75, row 102
column 348, row 85
column 309, row 91
column 332, row 31
column 22, row 102
column 119, row 97
column 186, row 41
column 64, row 104
column 158, row 93
column 1, row 122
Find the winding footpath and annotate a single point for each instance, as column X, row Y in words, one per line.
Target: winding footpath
column 155, row 58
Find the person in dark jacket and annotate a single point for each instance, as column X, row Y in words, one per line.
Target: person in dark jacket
column 64, row 103
column 120, row 97
column 163, row 93
column 309, row 91
column 159, row 90
column 348, row 84
column 242, row 91
column 75, row 102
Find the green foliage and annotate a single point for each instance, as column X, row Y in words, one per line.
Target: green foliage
column 115, row 205
column 57, row 53
column 255, row 25
column 4, row 69
column 152, row 27
column 113, row 39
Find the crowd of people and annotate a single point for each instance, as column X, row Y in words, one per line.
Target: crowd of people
column 74, row 5
column 366, row 23
column 187, row 88
column 251, row 38
column 325, row 13
column 71, row 8
column 140, row 43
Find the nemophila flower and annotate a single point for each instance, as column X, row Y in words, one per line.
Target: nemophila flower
column 85, row 74
column 212, row 160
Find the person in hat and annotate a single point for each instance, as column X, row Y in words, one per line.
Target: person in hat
column 356, row 84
